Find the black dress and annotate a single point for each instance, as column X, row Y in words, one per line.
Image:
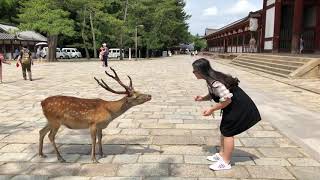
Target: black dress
column 240, row 115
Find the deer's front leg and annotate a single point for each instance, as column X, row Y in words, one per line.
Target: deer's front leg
column 99, row 133
column 93, row 131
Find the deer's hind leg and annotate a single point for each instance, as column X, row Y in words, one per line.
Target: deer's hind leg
column 99, row 134
column 53, row 132
column 43, row 132
column 93, row 131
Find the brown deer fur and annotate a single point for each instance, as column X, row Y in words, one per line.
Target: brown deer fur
column 95, row 114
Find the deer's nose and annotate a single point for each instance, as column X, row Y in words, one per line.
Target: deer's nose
column 149, row 97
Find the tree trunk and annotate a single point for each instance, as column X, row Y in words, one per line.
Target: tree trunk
column 52, row 45
column 147, row 53
column 93, row 37
column 83, row 35
column 121, row 35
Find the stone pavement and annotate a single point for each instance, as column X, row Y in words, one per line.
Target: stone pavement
column 166, row 138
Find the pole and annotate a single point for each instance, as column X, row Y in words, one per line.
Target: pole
column 136, row 48
column 129, row 53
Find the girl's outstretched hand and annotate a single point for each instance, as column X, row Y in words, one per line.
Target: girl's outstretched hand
column 208, row 112
column 198, row 98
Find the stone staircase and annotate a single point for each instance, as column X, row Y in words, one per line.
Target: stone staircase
column 284, row 66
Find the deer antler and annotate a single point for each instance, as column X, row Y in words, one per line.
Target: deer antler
column 116, row 77
column 106, row 87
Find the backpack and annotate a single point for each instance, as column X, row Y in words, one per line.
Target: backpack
column 26, row 56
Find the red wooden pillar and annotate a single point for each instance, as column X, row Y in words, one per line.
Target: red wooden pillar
column 297, row 25
column 277, row 24
column 237, row 43
column 318, row 29
column 225, row 45
column 232, row 43
column 243, row 41
column 263, row 23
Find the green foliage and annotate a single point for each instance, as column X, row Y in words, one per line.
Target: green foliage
column 199, row 43
column 46, row 17
column 8, row 11
column 164, row 21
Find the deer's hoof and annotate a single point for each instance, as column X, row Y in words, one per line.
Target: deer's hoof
column 61, row 160
column 102, row 156
column 95, row 161
column 42, row 156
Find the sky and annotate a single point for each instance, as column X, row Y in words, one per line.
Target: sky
column 217, row 13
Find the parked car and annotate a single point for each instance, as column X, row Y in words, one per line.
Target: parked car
column 115, row 53
column 72, row 52
column 59, row 53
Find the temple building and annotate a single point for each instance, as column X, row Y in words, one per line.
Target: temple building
column 280, row 26
column 12, row 38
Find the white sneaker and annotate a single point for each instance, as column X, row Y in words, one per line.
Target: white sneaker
column 220, row 165
column 214, row 158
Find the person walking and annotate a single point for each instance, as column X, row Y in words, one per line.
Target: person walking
column 2, row 61
column 16, row 53
column 104, row 53
column 301, row 43
column 38, row 53
column 252, row 45
column 26, row 61
column 239, row 113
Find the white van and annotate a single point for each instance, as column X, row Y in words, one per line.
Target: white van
column 59, row 53
column 72, row 52
column 115, row 53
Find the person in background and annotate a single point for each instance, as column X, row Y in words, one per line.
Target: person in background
column 38, row 53
column 26, row 61
column 252, row 45
column 2, row 60
column 301, row 42
column 16, row 53
column 104, row 52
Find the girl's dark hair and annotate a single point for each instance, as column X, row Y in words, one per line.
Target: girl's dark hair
column 204, row 68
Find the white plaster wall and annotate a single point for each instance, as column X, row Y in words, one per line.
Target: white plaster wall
column 269, row 2
column 269, row 23
column 268, row 45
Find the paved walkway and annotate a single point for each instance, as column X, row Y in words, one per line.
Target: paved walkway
column 164, row 138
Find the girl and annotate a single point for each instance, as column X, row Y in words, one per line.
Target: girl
column 239, row 111
column 2, row 60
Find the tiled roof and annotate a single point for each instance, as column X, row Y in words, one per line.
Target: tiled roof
column 210, row 31
column 6, row 36
column 8, row 28
column 31, row 35
column 8, row 32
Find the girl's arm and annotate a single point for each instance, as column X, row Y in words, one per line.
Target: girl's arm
column 221, row 105
column 207, row 97
column 203, row 98
column 217, row 106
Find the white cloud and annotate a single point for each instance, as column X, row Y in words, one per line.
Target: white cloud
column 241, row 7
column 211, row 11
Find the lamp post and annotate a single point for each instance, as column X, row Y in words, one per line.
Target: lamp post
column 136, row 39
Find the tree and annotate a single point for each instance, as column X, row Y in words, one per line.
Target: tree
column 199, row 43
column 164, row 23
column 46, row 17
column 8, row 11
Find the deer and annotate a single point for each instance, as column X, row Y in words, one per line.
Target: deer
column 92, row 114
